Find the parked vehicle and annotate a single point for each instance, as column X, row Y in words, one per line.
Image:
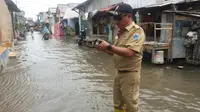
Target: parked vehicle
column 82, row 36
column 192, row 46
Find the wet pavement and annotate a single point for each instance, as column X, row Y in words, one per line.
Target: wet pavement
column 58, row 76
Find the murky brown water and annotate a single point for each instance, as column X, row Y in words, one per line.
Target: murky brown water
column 59, row 76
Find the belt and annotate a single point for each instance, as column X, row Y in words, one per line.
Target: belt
column 123, row 71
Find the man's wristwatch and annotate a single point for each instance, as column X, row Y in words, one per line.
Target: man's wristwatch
column 109, row 48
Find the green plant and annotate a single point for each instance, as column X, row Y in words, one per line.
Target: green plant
column 19, row 26
column 70, row 31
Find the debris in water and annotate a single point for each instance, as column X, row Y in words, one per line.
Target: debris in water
column 180, row 67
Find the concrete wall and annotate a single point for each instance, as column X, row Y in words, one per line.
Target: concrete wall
column 6, row 31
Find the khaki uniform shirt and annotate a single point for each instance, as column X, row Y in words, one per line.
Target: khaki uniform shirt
column 132, row 38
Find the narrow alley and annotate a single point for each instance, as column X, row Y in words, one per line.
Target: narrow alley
column 59, row 76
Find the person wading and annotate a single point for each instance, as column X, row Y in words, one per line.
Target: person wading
column 127, row 53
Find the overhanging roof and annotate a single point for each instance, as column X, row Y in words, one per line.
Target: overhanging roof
column 12, row 6
column 158, row 5
column 185, row 13
column 81, row 5
column 70, row 14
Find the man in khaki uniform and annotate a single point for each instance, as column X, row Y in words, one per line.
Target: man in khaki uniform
column 127, row 53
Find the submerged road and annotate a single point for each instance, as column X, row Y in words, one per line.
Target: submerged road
column 58, row 76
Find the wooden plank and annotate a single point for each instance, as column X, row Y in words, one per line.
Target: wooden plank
column 185, row 18
column 164, row 23
column 163, row 28
column 150, row 47
column 168, row 36
column 155, row 32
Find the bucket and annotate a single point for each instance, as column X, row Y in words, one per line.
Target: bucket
column 158, row 58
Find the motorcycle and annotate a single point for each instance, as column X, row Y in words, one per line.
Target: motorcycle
column 192, row 46
column 82, row 36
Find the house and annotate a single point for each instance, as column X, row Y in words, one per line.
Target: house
column 30, row 21
column 71, row 18
column 61, row 22
column 60, row 11
column 161, row 20
column 20, row 17
column 59, row 26
column 87, row 9
column 43, row 17
column 166, row 25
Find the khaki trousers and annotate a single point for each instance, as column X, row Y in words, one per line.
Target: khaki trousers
column 126, row 91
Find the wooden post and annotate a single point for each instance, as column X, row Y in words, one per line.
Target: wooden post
column 155, row 32
column 13, row 26
column 98, row 29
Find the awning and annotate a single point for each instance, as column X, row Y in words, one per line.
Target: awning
column 101, row 12
column 158, row 5
column 185, row 13
column 12, row 6
column 92, row 14
column 81, row 5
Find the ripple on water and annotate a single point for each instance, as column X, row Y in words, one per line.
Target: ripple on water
column 58, row 76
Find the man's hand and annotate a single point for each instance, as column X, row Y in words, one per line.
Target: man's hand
column 103, row 45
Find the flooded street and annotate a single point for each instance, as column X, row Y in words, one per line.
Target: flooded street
column 59, row 76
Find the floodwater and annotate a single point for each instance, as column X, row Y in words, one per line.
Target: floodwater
column 58, row 76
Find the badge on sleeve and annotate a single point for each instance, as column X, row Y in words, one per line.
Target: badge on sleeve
column 136, row 36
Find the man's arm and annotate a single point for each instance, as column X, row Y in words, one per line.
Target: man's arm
column 109, row 52
column 124, row 52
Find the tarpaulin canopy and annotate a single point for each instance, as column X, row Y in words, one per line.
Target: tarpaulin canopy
column 101, row 12
column 70, row 14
